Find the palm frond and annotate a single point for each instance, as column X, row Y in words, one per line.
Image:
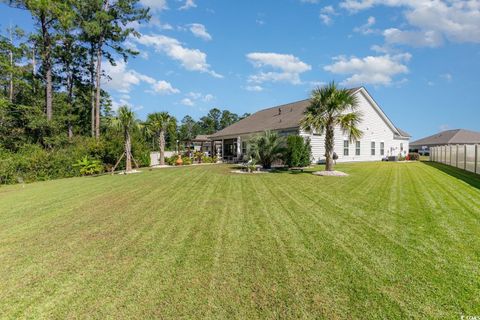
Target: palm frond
column 349, row 125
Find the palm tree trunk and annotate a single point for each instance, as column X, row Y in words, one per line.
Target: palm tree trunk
column 128, row 152
column 161, row 144
column 329, row 141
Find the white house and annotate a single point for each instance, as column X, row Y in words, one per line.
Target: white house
column 381, row 138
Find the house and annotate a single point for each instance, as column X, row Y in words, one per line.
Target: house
column 201, row 143
column 444, row 138
column 381, row 138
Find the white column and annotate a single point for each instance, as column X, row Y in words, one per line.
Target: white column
column 239, row 147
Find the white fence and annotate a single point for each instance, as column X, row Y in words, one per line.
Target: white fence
column 155, row 156
column 466, row 157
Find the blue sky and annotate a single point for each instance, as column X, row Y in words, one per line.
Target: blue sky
column 420, row 59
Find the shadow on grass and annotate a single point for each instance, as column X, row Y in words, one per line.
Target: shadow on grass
column 466, row 176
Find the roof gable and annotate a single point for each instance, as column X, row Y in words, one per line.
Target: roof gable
column 288, row 116
column 457, row 136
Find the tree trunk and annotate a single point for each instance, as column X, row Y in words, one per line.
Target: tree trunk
column 329, row 141
column 92, row 88
column 98, row 90
column 47, row 65
column 10, row 94
column 161, row 144
column 34, row 71
column 70, row 104
column 128, row 152
column 99, row 77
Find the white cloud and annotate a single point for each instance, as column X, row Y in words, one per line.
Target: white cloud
column 328, row 10
column 444, row 127
column 200, row 31
column 164, row 87
column 155, row 5
column 374, row 70
column 366, row 28
column 156, row 22
column 413, row 38
column 447, row 77
column 326, row 15
column 190, row 59
column 124, row 102
column 326, row 19
column 200, row 96
column 289, row 67
column 187, row 102
column 254, row 88
column 208, row 97
column 431, row 21
column 188, row 5
column 122, row 79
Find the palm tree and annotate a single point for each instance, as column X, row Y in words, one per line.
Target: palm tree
column 157, row 124
column 331, row 107
column 126, row 122
column 266, row 148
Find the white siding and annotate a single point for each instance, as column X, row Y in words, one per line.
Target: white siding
column 374, row 128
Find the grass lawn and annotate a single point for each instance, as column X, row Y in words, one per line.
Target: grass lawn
column 391, row 241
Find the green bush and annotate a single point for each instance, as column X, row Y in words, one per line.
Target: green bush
column 186, row 160
column 88, row 166
column 298, row 153
column 171, row 160
column 207, row 159
column 198, row 156
column 34, row 163
column 414, row 156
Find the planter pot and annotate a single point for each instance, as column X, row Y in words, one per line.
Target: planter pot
column 179, row 161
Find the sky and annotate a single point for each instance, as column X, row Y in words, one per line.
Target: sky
column 419, row 59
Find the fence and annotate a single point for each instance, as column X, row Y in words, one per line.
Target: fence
column 466, row 157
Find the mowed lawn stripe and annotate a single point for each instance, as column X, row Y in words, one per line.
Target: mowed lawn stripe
column 357, row 264
column 392, row 240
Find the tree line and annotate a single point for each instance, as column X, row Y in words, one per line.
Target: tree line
column 51, row 95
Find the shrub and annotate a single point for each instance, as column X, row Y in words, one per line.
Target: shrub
column 299, row 152
column 171, row 160
column 186, row 160
column 207, row 159
column 198, row 156
column 266, row 148
column 88, row 166
column 414, row 156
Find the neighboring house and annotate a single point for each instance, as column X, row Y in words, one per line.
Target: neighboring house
column 449, row 137
column 380, row 136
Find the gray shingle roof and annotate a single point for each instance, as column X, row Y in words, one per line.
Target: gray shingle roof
column 457, row 136
column 275, row 118
column 403, row 133
column 286, row 116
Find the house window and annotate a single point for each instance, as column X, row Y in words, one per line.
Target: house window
column 373, row 148
column 401, row 147
column 345, row 147
column 382, row 148
column 357, row 148
column 244, row 147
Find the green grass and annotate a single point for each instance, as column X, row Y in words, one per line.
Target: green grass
column 391, row 241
